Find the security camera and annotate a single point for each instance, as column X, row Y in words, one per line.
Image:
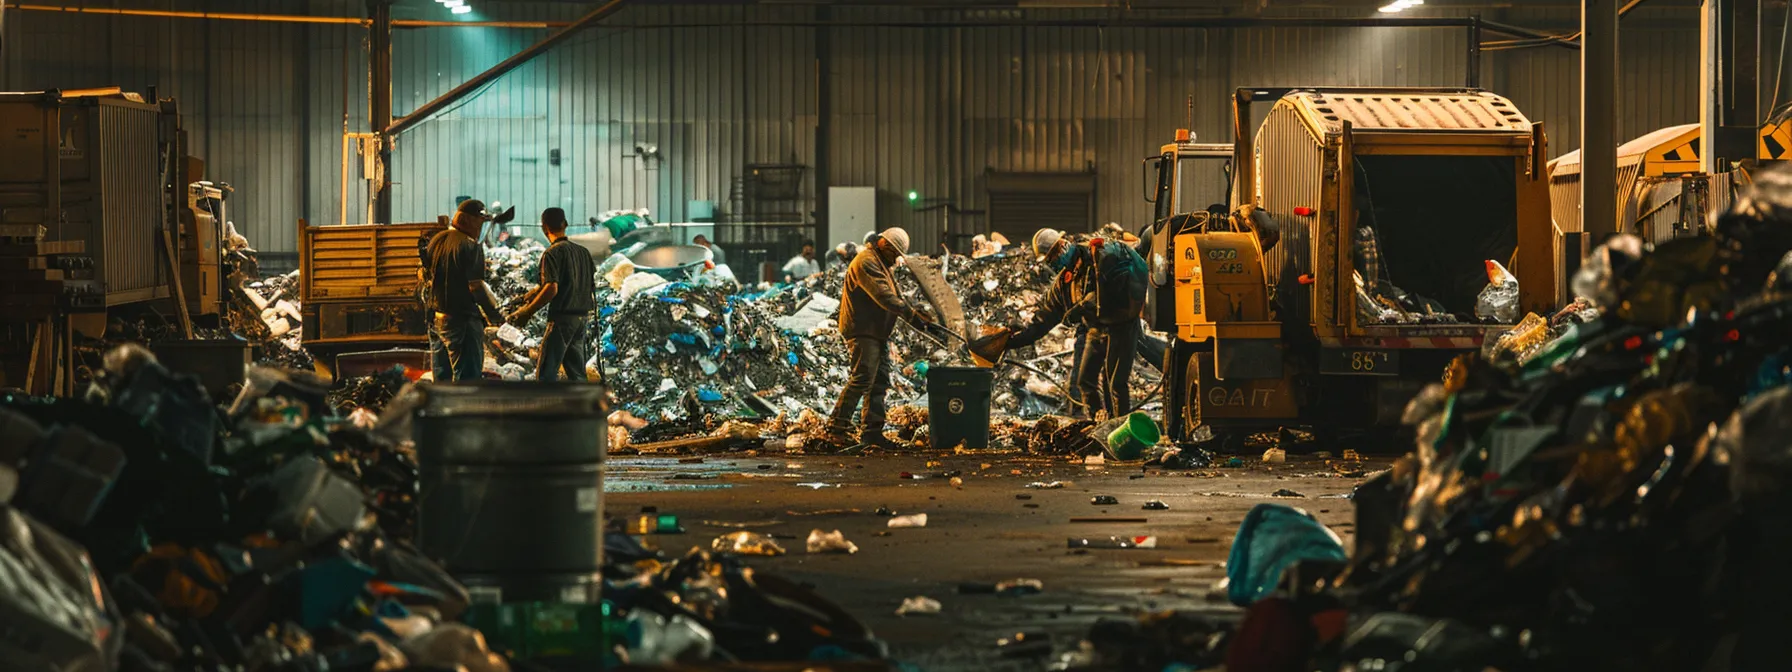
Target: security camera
column 646, row 149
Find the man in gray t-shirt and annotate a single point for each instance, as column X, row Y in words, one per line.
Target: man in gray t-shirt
column 569, row 291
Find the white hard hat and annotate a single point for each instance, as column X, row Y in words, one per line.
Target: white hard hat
column 897, row 237
column 1045, row 240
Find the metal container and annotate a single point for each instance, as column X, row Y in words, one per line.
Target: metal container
column 958, row 406
column 671, row 261
column 87, row 165
column 512, row 488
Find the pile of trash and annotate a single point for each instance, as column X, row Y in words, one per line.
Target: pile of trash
column 1615, row 500
column 689, row 355
column 149, row 530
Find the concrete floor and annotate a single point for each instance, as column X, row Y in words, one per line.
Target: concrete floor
column 980, row 532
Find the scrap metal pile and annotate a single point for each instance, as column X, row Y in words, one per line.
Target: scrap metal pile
column 1616, row 501
column 148, row 530
column 689, row 355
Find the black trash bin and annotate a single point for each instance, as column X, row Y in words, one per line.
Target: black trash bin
column 958, row 406
column 512, row 488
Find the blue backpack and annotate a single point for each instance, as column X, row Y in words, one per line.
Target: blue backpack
column 1122, row 278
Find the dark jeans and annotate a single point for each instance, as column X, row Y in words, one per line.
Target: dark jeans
column 563, row 346
column 1151, row 348
column 1104, row 369
column 869, row 379
column 457, row 347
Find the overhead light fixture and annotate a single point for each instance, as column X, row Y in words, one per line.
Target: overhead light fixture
column 462, row 9
column 1400, row 6
column 452, row 3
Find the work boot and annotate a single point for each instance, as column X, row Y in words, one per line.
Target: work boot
column 833, row 440
column 874, row 438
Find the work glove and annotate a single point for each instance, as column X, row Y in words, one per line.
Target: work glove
column 990, row 346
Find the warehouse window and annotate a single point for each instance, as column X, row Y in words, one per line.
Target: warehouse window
column 1021, row 203
column 1438, row 219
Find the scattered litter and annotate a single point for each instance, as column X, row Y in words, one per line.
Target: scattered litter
column 746, row 543
column 1104, row 500
column 1114, row 542
column 1053, row 485
column 1107, row 519
column 918, row 606
column 1275, row 456
column 741, row 524
column 1155, row 505
column 911, row 520
column 1284, row 492
column 830, row 542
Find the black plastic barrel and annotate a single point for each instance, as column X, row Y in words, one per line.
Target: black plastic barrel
column 958, row 406
column 512, row 488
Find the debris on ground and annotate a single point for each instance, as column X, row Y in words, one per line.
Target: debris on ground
column 918, row 606
column 151, row 529
column 830, row 542
column 1561, row 490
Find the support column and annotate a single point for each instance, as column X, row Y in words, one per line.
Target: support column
column 824, row 112
column 1710, row 83
column 1598, row 97
column 1473, row 80
column 379, row 101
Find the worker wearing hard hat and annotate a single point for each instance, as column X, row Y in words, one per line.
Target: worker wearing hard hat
column 870, row 304
column 842, row 256
column 1101, row 288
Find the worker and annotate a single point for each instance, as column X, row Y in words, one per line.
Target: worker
column 715, row 251
column 869, row 307
column 456, row 296
column 569, row 292
column 1100, row 288
column 842, row 256
column 802, row 265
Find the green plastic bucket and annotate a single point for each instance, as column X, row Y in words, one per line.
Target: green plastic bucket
column 1131, row 438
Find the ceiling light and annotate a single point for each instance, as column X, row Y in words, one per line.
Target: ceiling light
column 462, row 9
column 1400, row 5
column 452, row 3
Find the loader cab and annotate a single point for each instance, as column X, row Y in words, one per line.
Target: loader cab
column 1188, row 183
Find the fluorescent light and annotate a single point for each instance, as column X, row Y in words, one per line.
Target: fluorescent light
column 462, row 9
column 452, row 3
column 1390, row 9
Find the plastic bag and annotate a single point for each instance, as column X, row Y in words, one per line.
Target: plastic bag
column 746, row 543
column 1272, row 538
column 830, row 542
column 1498, row 301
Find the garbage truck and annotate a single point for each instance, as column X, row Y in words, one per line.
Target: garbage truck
column 1343, row 270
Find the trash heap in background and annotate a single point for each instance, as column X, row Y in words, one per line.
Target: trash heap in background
column 689, row 355
column 1614, row 501
column 148, row 530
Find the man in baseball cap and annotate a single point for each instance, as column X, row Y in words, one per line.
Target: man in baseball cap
column 454, row 275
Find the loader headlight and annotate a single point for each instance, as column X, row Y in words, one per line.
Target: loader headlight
column 1160, row 270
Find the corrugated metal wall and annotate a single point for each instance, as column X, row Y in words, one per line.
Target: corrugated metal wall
column 925, row 109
